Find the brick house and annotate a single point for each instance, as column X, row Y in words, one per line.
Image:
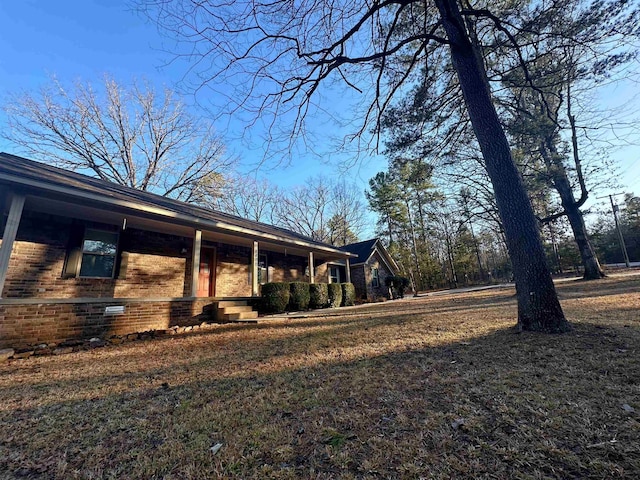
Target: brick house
column 372, row 266
column 81, row 257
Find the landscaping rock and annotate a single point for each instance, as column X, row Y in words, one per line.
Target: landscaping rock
column 96, row 342
column 62, row 350
column 24, row 354
column 43, row 349
column 6, row 353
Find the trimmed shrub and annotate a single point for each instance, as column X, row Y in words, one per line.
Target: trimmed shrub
column 348, row 294
column 318, row 295
column 335, row 294
column 275, row 297
column 299, row 299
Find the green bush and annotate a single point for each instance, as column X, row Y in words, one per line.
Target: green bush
column 335, row 295
column 275, row 297
column 319, row 295
column 398, row 285
column 348, row 294
column 299, row 299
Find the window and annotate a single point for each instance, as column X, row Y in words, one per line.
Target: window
column 99, row 250
column 375, row 278
column 334, row 275
column 263, row 272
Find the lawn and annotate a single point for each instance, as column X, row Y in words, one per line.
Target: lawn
column 434, row 387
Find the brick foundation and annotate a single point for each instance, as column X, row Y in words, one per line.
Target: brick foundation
column 25, row 323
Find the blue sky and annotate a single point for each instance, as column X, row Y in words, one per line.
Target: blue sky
column 87, row 39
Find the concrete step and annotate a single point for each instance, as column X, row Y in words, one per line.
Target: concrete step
column 235, row 309
column 231, row 303
column 239, row 316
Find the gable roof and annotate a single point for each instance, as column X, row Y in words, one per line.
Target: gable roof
column 362, row 249
column 32, row 175
column 365, row 249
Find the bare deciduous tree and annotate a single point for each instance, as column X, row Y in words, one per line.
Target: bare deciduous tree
column 131, row 137
column 248, row 197
column 326, row 211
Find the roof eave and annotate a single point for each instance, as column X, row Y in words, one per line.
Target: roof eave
column 168, row 215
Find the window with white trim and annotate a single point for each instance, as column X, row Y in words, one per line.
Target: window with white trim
column 334, row 275
column 99, row 250
column 375, row 277
column 263, row 269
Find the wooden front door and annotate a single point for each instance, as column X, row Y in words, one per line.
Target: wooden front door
column 207, row 273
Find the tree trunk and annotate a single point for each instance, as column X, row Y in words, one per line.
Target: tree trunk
column 538, row 305
column 420, row 283
column 450, row 259
column 592, row 269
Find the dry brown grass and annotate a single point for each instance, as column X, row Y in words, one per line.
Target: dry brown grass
column 377, row 393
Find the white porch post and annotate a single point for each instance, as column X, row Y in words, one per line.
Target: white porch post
column 9, row 236
column 195, row 262
column 254, row 269
column 312, row 271
column 347, row 269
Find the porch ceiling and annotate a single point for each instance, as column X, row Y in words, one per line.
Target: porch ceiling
column 116, row 217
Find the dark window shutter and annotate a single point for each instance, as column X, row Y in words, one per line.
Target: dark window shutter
column 74, row 251
column 122, row 258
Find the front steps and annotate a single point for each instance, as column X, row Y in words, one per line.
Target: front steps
column 235, row 311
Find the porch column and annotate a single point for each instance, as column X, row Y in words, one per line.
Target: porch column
column 195, row 262
column 254, row 269
column 312, row 271
column 347, row 270
column 9, row 236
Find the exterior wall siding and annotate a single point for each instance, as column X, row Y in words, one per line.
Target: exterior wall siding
column 24, row 324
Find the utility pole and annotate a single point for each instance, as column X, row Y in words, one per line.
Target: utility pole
column 623, row 247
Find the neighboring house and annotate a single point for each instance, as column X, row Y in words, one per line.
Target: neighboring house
column 81, row 257
column 372, row 266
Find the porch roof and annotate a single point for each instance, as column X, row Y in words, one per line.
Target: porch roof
column 37, row 178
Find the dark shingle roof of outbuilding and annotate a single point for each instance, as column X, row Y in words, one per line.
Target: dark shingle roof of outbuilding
column 362, row 249
column 29, row 173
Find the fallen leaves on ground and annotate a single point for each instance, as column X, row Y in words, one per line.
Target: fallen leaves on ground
column 433, row 387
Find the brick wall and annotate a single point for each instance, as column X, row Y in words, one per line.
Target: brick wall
column 287, row 268
column 358, row 280
column 383, row 272
column 156, row 266
column 233, row 265
column 47, row 322
column 322, row 273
